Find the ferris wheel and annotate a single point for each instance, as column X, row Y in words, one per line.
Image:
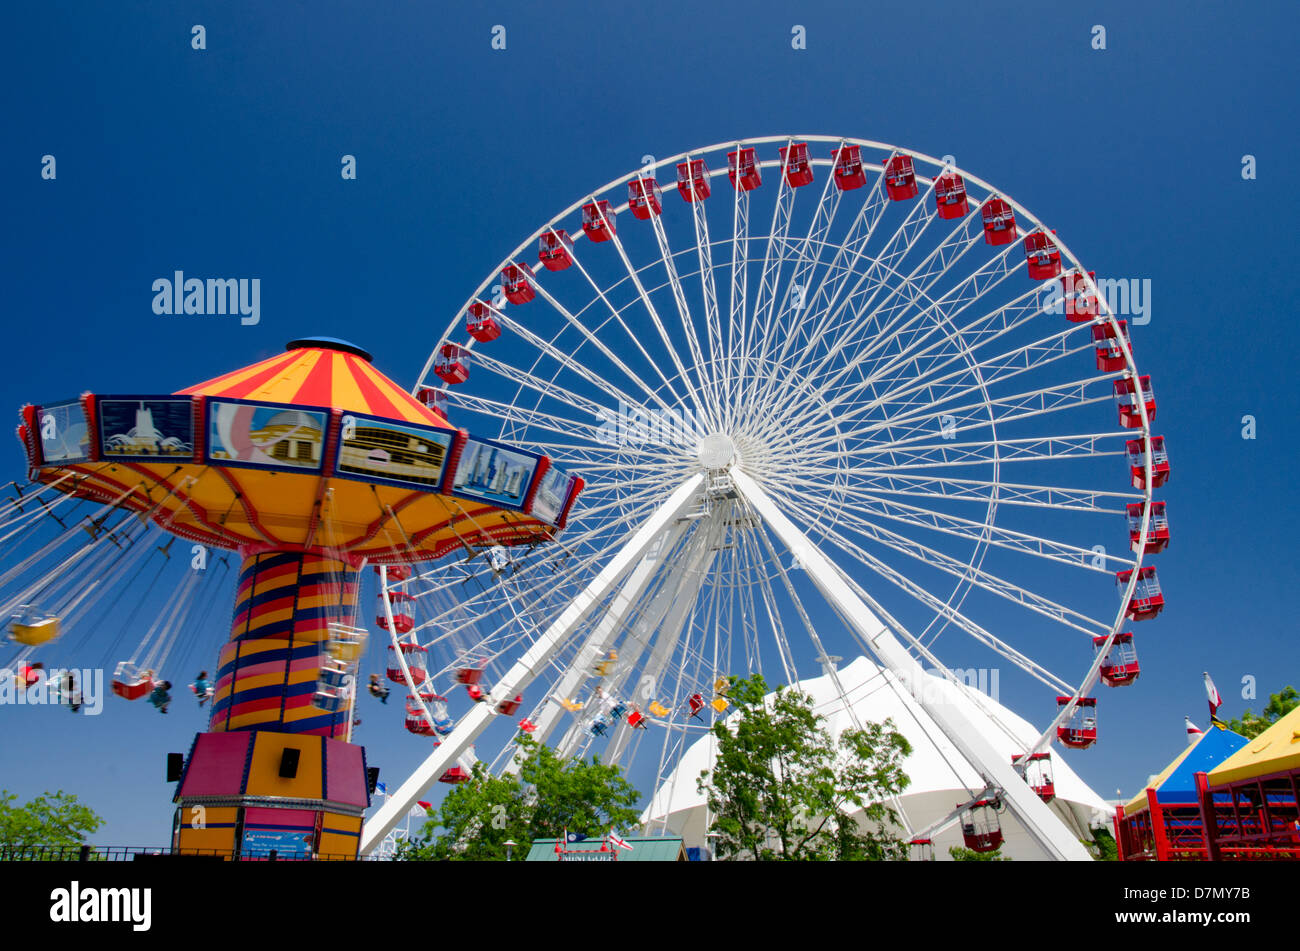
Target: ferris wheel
column 830, row 397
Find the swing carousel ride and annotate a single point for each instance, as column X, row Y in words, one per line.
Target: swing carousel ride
column 308, row 466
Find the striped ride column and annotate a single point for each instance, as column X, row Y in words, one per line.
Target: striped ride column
column 266, row 677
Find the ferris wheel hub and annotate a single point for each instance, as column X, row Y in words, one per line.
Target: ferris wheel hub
column 716, row 451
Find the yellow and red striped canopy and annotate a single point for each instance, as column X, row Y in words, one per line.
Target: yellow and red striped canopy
column 263, row 509
column 321, row 372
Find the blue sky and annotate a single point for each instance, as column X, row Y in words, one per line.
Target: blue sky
column 226, row 161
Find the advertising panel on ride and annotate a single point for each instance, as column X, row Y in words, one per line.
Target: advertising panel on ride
column 145, row 427
column 378, row 450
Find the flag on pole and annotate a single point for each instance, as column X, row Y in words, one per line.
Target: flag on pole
column 381, row 789
column 1215, row 700
column 420, row 809
column 616, row 839
column 1193, row 731
column 574, row 837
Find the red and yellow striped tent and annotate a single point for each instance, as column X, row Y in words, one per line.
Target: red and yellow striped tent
column 254, row 509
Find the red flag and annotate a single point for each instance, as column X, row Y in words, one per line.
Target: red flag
column 1215, row 700
column 1193, row 731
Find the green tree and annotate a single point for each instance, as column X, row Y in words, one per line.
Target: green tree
column 547, row 797
column 50, row 821
column 960, row 854
column 1103, row 846
column 1280, row 704
column 782, row 789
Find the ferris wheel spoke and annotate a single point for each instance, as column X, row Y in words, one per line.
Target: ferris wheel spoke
column 876, row 329
column 783, row 328
column 919, row 593
column 529, row 419
column 1008, row 493
column 701, row 365
column 709, row 297
column 866, row 504
column 960, row 344
column 1028, row 449
column 616, row 314
column 992, row 371
column 986, row 580
column 1058, row 398
column 900, row 244
column 893, row 320
column 1002, row 319
column 653, row 313
column 594, row 339
column 773, row 257
column 547, row 388
column 862, row 326
column 844, row 264
column 738, row 304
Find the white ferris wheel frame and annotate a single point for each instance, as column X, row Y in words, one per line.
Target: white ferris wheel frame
column 634, row 561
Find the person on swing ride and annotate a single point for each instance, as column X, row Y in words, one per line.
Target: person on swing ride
column 378, row 689
column 160, row 697
column 202, row 687
column 71, row 692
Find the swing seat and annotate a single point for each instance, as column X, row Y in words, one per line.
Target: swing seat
column 329, row 699
column 130, row 683
column 35, row 633
column 345, row 644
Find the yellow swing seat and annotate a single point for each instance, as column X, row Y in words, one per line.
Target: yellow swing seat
column 35, row 633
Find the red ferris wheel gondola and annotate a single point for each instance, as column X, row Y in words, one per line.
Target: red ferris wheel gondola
column 743, row 170
column 999, row 222
column 480, row 322
column 1120, row 666
column 981, row 828
column 1042, row 256
column 644, row 198
column 950, row 199
column 1157, row 528
column 693, row 180
column 1079, row 731
column 798, row 170
column 849, row 173
column 900, row 178
column 1147, row 600
column 554, row 249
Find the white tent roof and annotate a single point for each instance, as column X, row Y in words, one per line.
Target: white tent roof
column 940, row 777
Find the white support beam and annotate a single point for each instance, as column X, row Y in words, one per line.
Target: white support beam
column 527, row 667
column 967, row 734
column 605, row 631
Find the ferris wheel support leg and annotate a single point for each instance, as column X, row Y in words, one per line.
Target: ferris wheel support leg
column 966, row 734
column 528, row 666
column 606, row 629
